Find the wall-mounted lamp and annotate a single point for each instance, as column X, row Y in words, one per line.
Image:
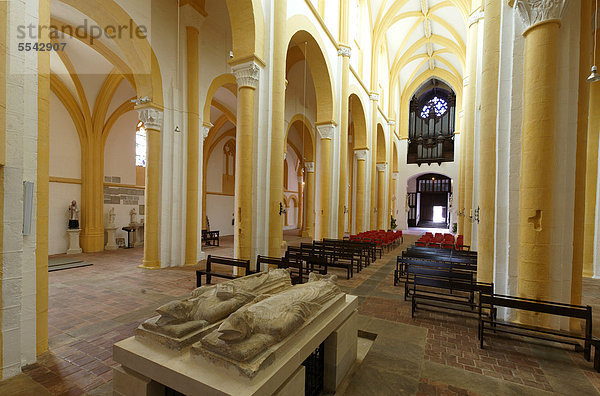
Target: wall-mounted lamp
column 476, row 215
column 595, row 76
column 345, row 209
column 177, row 129
column 281, row 210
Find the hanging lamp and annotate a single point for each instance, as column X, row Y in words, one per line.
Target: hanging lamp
column 595, row 76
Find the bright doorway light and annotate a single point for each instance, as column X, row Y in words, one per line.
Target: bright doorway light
column 438, row 214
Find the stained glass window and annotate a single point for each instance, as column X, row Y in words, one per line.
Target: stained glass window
column 140, row 145
column 439, row 105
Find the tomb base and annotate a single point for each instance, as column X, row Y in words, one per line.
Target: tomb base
column 74, row 247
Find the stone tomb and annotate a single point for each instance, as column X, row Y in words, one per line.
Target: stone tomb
column 248, row 336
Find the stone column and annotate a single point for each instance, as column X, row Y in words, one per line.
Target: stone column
column 92, row 193
column 585, row 59
column 309, row 193
column 591, row 172
column 152, row 119
column 277, row 128
column 487, row 141
column 326, row 132
column 344, row 52
column 193, row 142
column 359, row 215
column 205, row 130
column 374, row 96
column 542, row 23
column 394, row 200
column 247, row 75
column 380, row 196
column 469, row 125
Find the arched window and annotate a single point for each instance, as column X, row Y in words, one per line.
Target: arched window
column 228, row 179
column 140, row 145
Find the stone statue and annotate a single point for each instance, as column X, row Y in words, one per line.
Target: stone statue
column 111, row 217
column 132, row 216
column 73, row 216
column 211, row 303
column 253, row 328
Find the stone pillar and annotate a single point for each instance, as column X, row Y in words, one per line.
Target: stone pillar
column 73, row 242
column 152, row 119
column 326, row 132
column 309, row 193
column 591, row 172
column 277, row 128
column 469, row 125
column 374, row 96
column 205, row 130
column 487, row 141
column 193, row 143
column 585, row 59
column 359, row 215
column 111, row 243
column 247, row 75
column 92, row 193
column 380, row 196
column 394, row 199
column 344, row 52
column 542, row 23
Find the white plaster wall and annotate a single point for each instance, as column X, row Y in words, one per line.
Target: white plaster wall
column 219, row 208
column 18, row 304
column 65, row 149
column 119, row 150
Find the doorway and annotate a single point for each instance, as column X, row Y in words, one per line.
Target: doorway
column 433, row 191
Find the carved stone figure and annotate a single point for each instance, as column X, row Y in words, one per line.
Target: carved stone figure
column 210, row 304
column 73, row 216
column 132, row 216
column 111, row 217
column 252, row 329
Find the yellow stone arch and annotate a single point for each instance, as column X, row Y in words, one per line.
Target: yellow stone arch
column 218, row 82
column 309, row 148
column 358, row 118
column 247, row 30
column 381, row 145
column 139, row 55
column 300, row 30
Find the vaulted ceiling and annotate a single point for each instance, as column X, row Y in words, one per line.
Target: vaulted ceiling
column 421, row 35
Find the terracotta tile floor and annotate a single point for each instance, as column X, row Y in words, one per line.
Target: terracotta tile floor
column 93, row 307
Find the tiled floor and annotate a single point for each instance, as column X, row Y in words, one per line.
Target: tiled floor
column 433, row 354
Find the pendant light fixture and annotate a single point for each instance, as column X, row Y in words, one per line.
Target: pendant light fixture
column 595, row 76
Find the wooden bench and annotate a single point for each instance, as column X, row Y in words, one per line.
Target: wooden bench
column 491, row 324
column 440, row 252
column 210, row 272
column 364, row 250
column 335, row 257
column 437, row 288
column 413, row 271
column 211, row 238
column 307, row 260
column 293, row 267
column 403, row 262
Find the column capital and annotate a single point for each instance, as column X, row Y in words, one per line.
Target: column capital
column 205, row 128
column 381, row 167
column 535, row 12
column 361, row 154
column 309, row 166
column 344, row 51
column 326, row 131
column 246, row 74
column 392, row 123
column 395, row 175
column 152, row 117
column 374, row 96
column 475, row 17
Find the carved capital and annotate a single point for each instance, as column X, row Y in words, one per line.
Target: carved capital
column 381, row 167
column 326, row 131
column 374, row 96
column 205, row 129
column 345, row 51
column 395, row 175
column 151, row 117
column 392, row 123
column 535, row 12
column 246, row 74
column 361, row 155
column 310, row 166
